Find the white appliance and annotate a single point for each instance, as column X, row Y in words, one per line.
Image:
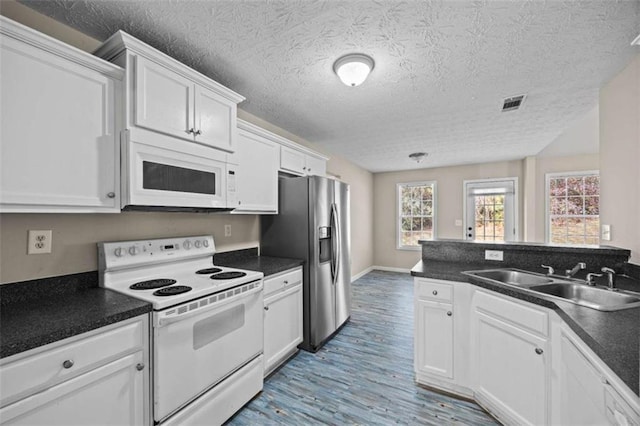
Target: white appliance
column 175, row 176
column 207, row 338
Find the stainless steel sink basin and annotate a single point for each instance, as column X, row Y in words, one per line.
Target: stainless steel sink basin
column 513, row 276
column 553, row 287
column 593, row 297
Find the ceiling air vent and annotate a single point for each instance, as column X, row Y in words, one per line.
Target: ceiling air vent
column 512, row 103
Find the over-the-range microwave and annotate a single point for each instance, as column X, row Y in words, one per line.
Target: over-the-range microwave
column 177, row 176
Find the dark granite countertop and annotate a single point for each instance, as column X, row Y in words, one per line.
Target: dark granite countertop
column 249, row 259
column 31, row 316
column 613, row 336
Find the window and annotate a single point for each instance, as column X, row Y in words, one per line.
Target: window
column 416, row 213
column 491, row 209
column 573, row 208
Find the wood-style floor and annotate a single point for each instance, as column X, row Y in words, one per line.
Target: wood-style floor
column 364, row 375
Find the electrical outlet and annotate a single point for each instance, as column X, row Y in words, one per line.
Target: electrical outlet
column 605, row 233
column 493, row 255
column 39, row 242
column 227, row 230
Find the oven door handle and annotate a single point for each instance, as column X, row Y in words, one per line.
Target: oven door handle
column 164, row 321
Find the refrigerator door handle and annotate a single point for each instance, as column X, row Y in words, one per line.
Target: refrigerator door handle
column 335, row 242
column 338, row 243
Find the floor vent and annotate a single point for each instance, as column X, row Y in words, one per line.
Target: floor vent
column 512, row 103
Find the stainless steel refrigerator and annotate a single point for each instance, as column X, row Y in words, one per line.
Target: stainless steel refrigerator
column 313, row 224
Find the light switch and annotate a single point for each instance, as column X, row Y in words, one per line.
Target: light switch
column 605, row 232
column 494, row 255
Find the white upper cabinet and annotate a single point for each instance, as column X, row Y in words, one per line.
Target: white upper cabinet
column 171, row 99
column 257, row 179
column 298, row 161
column 59, row 129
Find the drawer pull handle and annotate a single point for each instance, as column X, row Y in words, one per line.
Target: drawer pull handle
column 286, row 282
column 140, row 366
column 539, row 351
column 266, row 308
column 449, row 313
column 111, row 195
column 67, row 364
column 435, row 292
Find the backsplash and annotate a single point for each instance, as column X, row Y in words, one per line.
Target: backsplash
column 527, row 256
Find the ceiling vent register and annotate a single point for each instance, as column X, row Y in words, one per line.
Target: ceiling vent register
column 512, row 103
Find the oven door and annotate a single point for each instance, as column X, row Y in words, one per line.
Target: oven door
column 156, row 176
column 198, row 344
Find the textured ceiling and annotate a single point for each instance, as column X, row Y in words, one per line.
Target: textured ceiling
column 442, row 67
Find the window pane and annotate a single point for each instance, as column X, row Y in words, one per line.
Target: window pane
column 592, row 185
column 575, row 226
column 416, row 206
column 575, row 186
column 558, row 206
column 592, row 205
column 558, row 187
column 592, row 226
column 575, row 205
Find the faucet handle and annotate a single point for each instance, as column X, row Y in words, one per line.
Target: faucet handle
column 607, row 270
column 590, row 276
column 550, row 269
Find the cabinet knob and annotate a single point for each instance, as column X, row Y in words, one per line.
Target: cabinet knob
column 304, row 168
column 266, row 308
column 111, row 195
column 286, row 282
column 190, row 131
column 197, row 132
column 68, row 363
column 539, row 351
column 449, row 313
column 239, row 202
column 140, row 366
column 435, row 292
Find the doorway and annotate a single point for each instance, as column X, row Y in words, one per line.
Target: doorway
column 490, row 209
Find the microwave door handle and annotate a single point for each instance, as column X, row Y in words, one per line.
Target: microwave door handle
column 334, row 243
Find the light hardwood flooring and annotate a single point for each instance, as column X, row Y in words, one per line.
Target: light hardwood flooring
column 364, row 375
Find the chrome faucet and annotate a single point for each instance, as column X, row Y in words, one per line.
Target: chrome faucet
column 571, row 272
column 590, row 280
column 611, row 278
column 550, row 269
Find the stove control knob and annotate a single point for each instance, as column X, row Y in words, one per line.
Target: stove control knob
column 186, row 244
column 197, row 244
column 133, row 250
column 118, row 252
column 205, row 243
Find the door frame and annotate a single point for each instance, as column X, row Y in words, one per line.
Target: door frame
column 516, row 215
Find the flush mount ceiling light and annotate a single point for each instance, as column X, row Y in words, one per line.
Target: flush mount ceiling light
column 418, row 156
column 353, row 69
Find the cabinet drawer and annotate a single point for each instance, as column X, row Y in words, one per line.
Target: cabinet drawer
column 280, row 281
column 438, row 291
column 529, row 318
column 46, row 368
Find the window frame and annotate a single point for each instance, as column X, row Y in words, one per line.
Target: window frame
column 399, row 185
column 547, row 198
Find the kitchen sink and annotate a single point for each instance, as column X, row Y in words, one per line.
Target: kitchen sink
column 513, row 276
column 593, row 297
column 554, row 287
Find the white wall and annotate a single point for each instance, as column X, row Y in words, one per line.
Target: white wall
column 620, row 158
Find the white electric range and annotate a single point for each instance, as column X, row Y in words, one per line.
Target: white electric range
column 207, row 322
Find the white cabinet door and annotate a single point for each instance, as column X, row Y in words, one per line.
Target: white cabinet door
column 257, row 179
column 292, row 161
column 581, row 388
column 511, row 370
column 164, row 100
column 215, row 120
column 315, row 166
column 60, row 142
column 434, row 338
column 108, row 395
column 282, row 326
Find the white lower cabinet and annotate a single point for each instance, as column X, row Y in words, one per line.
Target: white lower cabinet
column 588, row 394
column 441, row 344
column 510, row 359
column 282, row 317
column 100, row 377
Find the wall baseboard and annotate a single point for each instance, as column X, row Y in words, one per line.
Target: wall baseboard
column 378, row 268
column 361, row 273
column 391, row 269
